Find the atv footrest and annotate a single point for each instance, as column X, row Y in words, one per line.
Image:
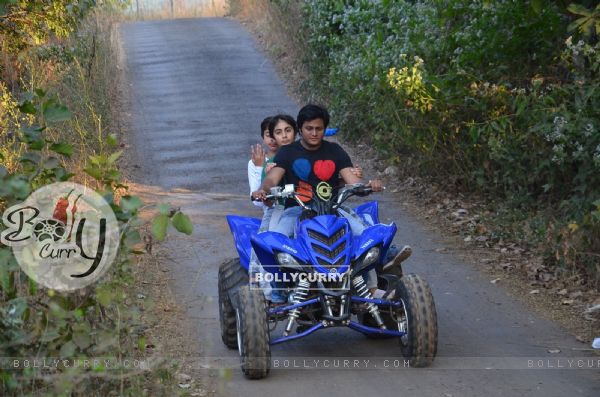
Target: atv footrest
column 380, row 302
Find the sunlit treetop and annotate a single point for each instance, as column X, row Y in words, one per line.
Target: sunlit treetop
column 26, row 23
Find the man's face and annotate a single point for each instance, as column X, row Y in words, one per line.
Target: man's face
column 313, row 132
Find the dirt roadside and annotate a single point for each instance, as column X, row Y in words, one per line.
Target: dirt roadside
column 168, row 333
column 457, row 219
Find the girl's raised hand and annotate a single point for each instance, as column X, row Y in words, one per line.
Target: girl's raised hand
column 257, row 154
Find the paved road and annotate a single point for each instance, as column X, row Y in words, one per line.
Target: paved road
column 200, row 88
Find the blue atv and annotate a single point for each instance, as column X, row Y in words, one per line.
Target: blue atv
column 324, row 271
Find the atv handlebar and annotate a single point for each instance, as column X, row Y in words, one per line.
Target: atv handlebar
column 356, row 189
column 278, row 192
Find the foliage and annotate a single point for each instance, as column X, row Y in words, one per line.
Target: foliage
column 56, row 134
column 576, row 244
column 588, row 22
column 26, row 23
column 29, row 23
column 101, row 320
column 497, row 97
column 409, row 84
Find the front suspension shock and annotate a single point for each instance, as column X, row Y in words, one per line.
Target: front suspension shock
column 300, row 294
column 361, row 289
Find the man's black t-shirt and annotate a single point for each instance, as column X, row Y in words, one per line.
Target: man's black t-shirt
column 318, row 168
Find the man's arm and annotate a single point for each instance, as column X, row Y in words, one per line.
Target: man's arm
column 348, row 176
column 272, row 179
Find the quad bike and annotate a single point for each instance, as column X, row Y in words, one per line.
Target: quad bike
column 323, row 246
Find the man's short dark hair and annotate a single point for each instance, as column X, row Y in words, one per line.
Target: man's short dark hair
column 311, row 112
column 264, row 125
column 282, row 117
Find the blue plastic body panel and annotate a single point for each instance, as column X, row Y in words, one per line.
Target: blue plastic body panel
column 243, row 228
column 369, row 212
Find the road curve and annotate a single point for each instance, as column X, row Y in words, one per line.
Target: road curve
column 199, row 90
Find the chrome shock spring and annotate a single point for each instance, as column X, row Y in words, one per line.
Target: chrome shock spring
column 300, row 295
column 361, row 289
column 327, row 300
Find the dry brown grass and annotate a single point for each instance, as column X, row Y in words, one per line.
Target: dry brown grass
column 81, row 79
column 171, row 9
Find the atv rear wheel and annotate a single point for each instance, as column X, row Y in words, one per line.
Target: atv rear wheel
column 419, row 320
column 253, row 333
column 231, row 275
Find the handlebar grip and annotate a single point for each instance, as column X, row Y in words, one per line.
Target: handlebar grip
column 268, row 197
column 363, row 192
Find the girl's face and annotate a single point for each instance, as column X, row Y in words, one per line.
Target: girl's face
column 269, row 142
column 283, row 133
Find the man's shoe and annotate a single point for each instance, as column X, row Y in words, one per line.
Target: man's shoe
column 395, row 265
column 381, row 294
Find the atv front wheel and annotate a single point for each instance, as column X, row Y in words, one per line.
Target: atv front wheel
column 418, row 320
column 231, row 275
column 253, row 333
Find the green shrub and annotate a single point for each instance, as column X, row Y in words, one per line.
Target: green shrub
column 500, row 97
column 54, row 134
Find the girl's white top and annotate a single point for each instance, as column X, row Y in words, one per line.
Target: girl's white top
column 255, row 180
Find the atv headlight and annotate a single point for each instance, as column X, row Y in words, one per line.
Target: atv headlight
column 371, row 257
column 286, row 260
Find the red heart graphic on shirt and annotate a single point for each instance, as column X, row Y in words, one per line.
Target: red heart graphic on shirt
column 324, row 169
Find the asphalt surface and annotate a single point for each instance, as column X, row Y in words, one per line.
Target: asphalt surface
column 199, row 89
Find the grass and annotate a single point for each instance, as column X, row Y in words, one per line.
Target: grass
column 79, row 72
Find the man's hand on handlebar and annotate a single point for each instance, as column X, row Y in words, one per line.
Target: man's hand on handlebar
column 259, row 195
column 376, row 185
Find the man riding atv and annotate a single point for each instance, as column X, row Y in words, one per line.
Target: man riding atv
column 325, row 255
column 316, row 165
